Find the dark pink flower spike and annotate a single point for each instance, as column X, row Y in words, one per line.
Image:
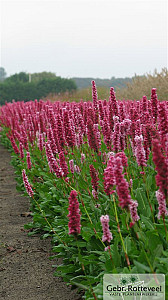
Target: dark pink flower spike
column 63, row 164
column 123, row 158
column 28, row 160
column 113, row 101
column 40, row 142
column 94, row 176
column 122, row 186
column 92, row 136
column 161, row 166
column 74, row 224
column 15, row 148
column 21, row 150
column 154, row 103
column 53, row 165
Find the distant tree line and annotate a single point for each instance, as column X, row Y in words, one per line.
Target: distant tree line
column 23, row 86
column 83, row 83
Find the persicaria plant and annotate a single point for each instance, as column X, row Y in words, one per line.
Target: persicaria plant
column 97, row 176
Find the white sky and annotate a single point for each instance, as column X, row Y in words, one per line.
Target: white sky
column 84, row 38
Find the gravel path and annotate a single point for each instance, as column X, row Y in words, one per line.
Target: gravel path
column 26, row 272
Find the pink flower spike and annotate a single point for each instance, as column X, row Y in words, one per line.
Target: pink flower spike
column 109, row 178
column 28, row 160
column 40, row 142
column 21, row 150
column 63, row 164
column 15, row 148
column 52, row 162
column 92, row 134
column 139, row 151
column 95, row 194
column 74, row 214
column 107, row 248
column 71, row 164
column 161, row 166
column 77, row 169
column 154, row 103
column 122, row 186
column 95, row 100
column 94, row 176
column 123, row 158
column 107, row 235
column 133, row 210
column 82, row 157
column 27, row 185
column 162, row 204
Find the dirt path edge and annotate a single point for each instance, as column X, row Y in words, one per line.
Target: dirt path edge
column 26, row 272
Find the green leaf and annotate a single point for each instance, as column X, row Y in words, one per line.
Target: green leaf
column 127, row 243
column 84, row 287
column 116, row 254
column 110, row 265
column 66, row 268
column 147, row 222
column 143, row 205
column 87, row 233
column 141, row 267
column 152, row 241
column 161, row 228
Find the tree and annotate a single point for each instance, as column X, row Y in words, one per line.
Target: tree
column 2, row 74
column 43, row 75
column 18, row 77
column 19, row 88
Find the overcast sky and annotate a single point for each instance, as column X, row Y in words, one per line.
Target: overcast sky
column 84, row 38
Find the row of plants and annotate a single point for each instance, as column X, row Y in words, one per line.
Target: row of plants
column 97, row 176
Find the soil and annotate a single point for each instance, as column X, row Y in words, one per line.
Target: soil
column 26, row 273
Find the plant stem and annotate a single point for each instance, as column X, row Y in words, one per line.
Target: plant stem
column 165, row 228
column 91, row 221
column 147, row 192
column 83, row 268
column 119, row 231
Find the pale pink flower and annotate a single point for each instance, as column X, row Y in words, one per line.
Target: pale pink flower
column 162, row 204
column 107, row 235
column 27, row 185
column 139, row 151
column 71, row 165
column 133, row 210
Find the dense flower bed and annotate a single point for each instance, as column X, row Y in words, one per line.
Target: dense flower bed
column 97, row 175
